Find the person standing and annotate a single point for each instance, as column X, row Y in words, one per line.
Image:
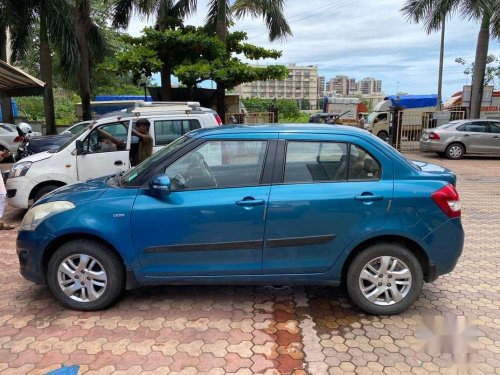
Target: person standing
column 145, row 141
column 3, row 196
column 361, row 121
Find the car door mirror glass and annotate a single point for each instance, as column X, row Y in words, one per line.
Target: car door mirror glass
column 160, row 186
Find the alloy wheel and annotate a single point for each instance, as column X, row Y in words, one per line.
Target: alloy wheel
column 82, row 278
column 385, row 280
column 455, row 151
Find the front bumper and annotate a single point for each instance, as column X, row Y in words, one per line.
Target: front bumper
column 432, row 146
column 22, row 186
column 30, row 248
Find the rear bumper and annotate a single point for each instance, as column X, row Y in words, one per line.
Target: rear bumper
column 444, row 248
column 432, row 146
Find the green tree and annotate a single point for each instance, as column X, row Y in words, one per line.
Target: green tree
column 51, row 19
column 288, row 109
column 492, row 72
column 433, row 12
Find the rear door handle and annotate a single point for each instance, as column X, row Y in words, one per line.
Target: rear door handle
column 495, row 137
column 368, row 198
column 250, row 202
column 118, row 162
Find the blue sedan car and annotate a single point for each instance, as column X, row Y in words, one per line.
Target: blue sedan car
column 277, row 205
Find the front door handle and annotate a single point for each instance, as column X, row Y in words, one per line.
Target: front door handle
column 368, row 198
column 118, row 162
column 466, row 135
column 250, row 202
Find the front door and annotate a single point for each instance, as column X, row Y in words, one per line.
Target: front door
column 104, row 152
column 212, row 223
column 494, row 145
column 331, row 192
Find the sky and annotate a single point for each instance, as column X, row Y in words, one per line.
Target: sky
column 363, row 38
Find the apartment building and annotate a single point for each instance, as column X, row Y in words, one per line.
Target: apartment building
column 369, row 85
column 321, row 86
column 301, row 85
column 339, row 85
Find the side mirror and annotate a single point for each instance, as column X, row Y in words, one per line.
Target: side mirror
column 79, row 147
column 160, row 186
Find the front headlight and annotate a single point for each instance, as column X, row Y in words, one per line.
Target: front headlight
column 37, row 214
column 20, row 169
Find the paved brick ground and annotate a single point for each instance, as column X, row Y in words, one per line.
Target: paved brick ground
column 220, row 330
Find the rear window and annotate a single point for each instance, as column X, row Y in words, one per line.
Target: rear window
column 167, row 131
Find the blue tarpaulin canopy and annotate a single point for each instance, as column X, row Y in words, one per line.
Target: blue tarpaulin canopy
column 414, row 101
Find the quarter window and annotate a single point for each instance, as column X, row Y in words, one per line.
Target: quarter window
column 362, row 166
column 167, row 131
column 219, row 164
column 315, row 162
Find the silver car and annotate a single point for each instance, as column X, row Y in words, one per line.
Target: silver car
column 457, row 138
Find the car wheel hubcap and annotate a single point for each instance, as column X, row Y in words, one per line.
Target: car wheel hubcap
column 82, row 278
column 455, row 151
column 385, row 280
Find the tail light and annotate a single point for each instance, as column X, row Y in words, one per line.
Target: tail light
column 448, row 200
column 18, row 139
column 434, row 136
column 217, row 118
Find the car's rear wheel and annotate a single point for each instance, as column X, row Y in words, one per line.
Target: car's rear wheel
column 383, row 135
column 384, row 279
column 85, row 275
column 455, row 151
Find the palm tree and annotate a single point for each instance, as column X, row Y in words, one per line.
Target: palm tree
column 433, row 12
column 5, row 103
column 221, row 13
column 90, row 42
column 54, row 29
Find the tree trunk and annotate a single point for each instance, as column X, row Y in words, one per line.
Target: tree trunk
column 46, row 76
column 221, row 31
column 441, row 61
column 483, row 41
column 81, row 30
column 5, row 102
column 166, row 83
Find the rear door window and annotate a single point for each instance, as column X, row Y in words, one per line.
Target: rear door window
column 476, row 127
column 167, row 131
column 363, row 166
column 495, row 127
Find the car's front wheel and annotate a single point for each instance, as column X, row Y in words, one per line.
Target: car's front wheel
column 384, row 279
column 85, row 275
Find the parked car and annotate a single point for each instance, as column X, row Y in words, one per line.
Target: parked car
column 279, row 205
column 10, row 137
column 81, row 157
column 461, row 137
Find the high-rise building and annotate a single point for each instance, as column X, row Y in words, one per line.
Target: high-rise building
column 301, row 85
column 339, row 85
column 321, row 86
column 370, row 85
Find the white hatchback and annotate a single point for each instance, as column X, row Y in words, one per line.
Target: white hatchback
column 39, row 174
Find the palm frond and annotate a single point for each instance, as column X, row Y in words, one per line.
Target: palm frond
column 272, row 11
column 495, row 20
column 22, row 20
column 185, row 8
column 213, row 14
column 98, row 43
column 122, row 12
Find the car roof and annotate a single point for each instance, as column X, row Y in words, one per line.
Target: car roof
column 281, row 128
column 160, row 114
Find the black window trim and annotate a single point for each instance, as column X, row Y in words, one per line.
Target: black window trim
column 280, row 164
column 265, row 174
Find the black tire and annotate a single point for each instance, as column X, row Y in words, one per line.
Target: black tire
column 110, row 263
column 363, row 258
column 455, row 151
column 44, row 190
column 383, row 135
column 442, row 154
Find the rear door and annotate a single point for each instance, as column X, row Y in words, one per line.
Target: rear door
column 326, row 194
column 165, row 131
column 494, row 137
column 476, row 136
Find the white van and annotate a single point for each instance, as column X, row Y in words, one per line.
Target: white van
column 36, row 175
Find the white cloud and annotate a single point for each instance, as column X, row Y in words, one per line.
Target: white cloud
column 363, row 38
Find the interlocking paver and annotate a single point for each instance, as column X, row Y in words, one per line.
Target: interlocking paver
column 268, row 330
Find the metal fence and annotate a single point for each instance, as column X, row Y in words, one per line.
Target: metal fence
column 411, row 124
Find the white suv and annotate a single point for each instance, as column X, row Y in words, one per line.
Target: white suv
column 37, row 175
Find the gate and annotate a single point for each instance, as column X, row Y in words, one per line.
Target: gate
column 412, row 123
column 250, row 118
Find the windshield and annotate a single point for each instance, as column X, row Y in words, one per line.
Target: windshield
column 69, row 141
column 372, row 117
column 136, row 171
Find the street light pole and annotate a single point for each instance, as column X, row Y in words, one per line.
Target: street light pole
column 441, row 62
